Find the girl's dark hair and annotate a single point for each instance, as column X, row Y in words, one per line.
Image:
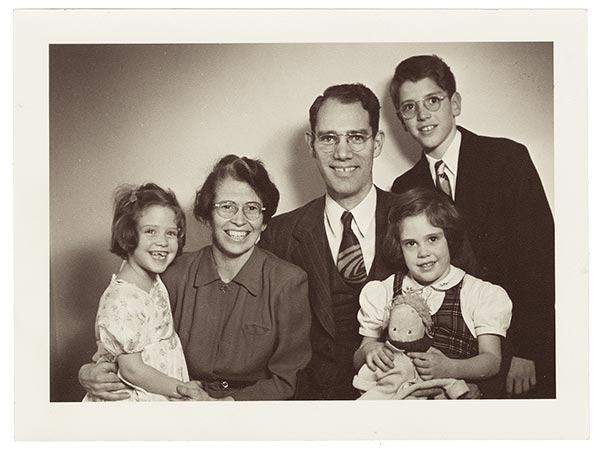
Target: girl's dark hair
column 439, row 210
column 240, row 168
column 130, row 201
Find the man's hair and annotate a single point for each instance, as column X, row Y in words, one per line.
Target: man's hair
column 246, row 170
column 346, row 94
column 130, row 202
column 419, row 67
column 440, row 212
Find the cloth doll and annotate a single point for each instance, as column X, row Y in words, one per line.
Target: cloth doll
column 409, row 330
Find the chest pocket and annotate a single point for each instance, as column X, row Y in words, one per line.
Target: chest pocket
column 255, row 329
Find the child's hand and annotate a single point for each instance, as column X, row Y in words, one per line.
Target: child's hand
column 432, row 364
column 192, row 390
column 378, row 356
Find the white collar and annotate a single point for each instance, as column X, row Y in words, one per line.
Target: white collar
column 450, row 157
column 363, row 213
column 454, row 276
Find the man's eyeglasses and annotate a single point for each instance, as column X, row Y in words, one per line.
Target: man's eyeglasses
column 326, row 142
column 408, row 110
column 227, row 209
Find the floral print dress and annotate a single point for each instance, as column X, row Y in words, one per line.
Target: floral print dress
column 131, row 320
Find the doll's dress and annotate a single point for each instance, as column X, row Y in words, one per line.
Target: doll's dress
column 131, row 320
column 401, row 382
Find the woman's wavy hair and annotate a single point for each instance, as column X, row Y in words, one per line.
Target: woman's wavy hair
column 240, row 168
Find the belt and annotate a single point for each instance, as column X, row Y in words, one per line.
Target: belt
column 226, row 385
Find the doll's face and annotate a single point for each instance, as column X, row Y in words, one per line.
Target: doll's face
column 405, row 324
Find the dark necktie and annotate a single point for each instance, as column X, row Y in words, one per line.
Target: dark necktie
column 441, row 180
column 350, row 261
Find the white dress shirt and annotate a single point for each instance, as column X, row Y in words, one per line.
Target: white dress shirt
column 450, row 158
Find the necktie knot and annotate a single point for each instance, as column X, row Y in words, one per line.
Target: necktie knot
column 347, row 219
column 442, row 180
column 440, row 168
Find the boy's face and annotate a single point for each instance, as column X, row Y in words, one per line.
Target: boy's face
column 433, row 130
column 425, row 249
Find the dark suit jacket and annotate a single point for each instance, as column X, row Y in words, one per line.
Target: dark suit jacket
column 299, row 237
column 511, row 230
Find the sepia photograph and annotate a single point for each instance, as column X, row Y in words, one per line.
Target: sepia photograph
column 296, row 226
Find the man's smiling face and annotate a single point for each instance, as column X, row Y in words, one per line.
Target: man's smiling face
column 348, row 174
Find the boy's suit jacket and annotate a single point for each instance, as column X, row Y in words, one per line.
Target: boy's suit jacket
column 299, row 237
column 510, row 227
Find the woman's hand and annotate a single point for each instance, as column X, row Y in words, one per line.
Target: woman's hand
column 101, row 380
column 378, row 356
column 432, row 364
column 192, row 390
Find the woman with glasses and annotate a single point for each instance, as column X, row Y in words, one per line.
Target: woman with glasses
column 242, row 314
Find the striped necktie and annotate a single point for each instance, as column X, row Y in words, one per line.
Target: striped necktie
column 350, row 261
column 442, row 181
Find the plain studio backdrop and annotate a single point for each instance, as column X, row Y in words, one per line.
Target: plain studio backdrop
column 167, row 113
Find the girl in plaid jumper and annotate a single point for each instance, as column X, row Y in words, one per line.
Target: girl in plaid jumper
column 471, row 316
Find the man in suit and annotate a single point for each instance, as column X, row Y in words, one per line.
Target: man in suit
column 344, row 140
column 498, row 191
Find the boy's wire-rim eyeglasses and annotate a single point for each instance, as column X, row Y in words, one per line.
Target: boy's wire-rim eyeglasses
column 408, row 110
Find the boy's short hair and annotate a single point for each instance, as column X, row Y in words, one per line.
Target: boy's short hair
column 440, row 212
column 130, row 201
column 419, row 67
column 346, row 94
column 240, row 168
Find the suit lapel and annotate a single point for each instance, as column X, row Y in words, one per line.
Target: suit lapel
column 423, row 173
column 311, row 253
column 470, row 173
column 384, row 203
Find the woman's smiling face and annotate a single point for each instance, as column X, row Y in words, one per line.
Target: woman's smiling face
column 235, row 237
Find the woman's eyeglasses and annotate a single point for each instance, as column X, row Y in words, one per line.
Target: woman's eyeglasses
column 228, row 208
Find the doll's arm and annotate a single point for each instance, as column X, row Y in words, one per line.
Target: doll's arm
column 434, row 364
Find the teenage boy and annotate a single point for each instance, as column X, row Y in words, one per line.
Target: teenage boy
column 498, row 191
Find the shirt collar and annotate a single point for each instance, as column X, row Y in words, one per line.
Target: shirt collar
column 449, row 281
column 250, row 275
column 363, row 213
column 450, row 158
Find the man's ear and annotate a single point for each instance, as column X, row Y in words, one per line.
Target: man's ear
column 399, row 116
column 455, row 102
column 310, row 141
column 378, row 140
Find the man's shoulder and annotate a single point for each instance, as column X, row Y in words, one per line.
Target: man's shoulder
column 417, row 175
column 283, row 269
column 289, row 218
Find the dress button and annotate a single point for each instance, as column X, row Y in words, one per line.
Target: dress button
column 225, row 384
